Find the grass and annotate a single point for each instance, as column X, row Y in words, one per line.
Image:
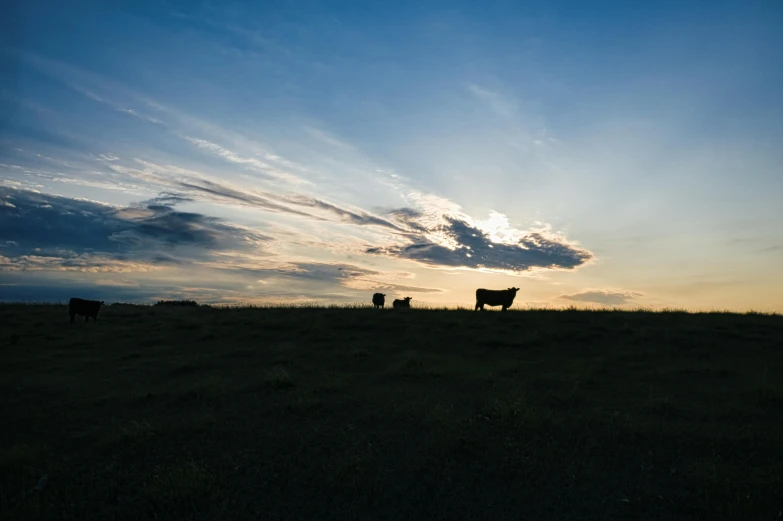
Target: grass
column 353, row 413
column 183, row 482
column 135, row 431
column 278, row 378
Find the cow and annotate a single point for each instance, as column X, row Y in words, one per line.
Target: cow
column 402, row 303
column 492, row 297
column 85, row 308
column 378, row 301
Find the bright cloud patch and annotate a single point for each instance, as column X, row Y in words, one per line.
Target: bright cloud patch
column 606, row 297
column 439, row 234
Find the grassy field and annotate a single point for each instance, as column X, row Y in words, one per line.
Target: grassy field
column 325, row 413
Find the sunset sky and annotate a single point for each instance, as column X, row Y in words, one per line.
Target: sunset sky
column 624, row 154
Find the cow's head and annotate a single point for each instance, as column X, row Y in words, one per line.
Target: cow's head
column 408, row 299
column 101, row 303
column 513, row 290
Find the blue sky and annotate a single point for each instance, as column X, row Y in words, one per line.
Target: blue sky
column 616, row 154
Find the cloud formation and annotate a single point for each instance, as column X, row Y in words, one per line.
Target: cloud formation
column 346, row 275
column 64, row 260
column 251, row 163
column 47, row 231
column 604, row 296
column 432, row 231
column 454, row 241
column 377, row 285
column 196, row 186
column 306, row 201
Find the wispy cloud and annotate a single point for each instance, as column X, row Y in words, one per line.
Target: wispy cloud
column 65, row 261
column 498, row 103
column 197, row 185
column 325, row 137
column 346, row 275
column 123, row 99
column 607, row 297
column 115, row 105
column 250, row 162
column 378, row 285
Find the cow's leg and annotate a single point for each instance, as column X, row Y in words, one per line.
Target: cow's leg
column 73, row 318
column 504, row 308
column 479, row 305
column 86, row 318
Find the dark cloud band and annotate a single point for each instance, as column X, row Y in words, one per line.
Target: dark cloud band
column 41, row 225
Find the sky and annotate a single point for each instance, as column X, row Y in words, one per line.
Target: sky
column 622, row 154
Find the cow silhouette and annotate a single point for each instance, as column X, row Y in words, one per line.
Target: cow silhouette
column 492, row 297
column 378, row 300
column 85, row 308
column 402, row 303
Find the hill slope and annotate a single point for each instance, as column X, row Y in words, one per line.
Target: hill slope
column 172, row 413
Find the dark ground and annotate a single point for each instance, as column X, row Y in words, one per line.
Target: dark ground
column 200, row 413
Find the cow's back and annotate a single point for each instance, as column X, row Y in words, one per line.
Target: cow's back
column 80, row 306
column 401, row 303
column 490, row 296
column 77, row 305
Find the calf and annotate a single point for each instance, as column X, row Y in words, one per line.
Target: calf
column 491, row 297
column 402, row 303
column 85, row 308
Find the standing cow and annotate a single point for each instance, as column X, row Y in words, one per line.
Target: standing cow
column 402, row 303
column 491, row 297
column 85, row 308
column 378, row 301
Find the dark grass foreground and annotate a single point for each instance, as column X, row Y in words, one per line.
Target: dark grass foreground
column 203, row 413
